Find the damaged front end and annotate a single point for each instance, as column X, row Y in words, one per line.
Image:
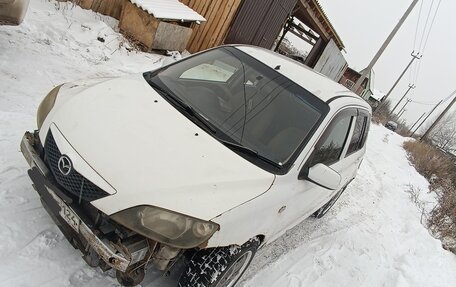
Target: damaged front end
column 104, row 242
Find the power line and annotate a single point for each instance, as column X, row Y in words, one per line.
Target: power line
column 425, row 25
column 432, row 24
column 426, row 104
column 412, row 70
column 418, row 24
column 425, row 36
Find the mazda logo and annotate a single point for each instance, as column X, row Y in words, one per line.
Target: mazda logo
column 64, row 164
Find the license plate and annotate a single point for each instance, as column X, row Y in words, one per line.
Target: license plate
column 70, row 217
column 66, row 213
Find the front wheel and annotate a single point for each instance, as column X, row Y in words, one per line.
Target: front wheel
column 219, row 267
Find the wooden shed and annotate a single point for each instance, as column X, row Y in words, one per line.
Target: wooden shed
column 159, row 24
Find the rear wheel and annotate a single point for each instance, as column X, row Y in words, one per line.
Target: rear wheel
column 325, row 208
column 219, row 267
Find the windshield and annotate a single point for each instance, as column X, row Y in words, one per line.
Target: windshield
column 248, row 103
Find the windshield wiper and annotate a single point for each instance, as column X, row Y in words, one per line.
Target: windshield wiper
column 250, row 151
column 189, row 109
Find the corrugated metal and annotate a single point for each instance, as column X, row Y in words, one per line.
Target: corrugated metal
column 259, row 22
column 331, row 62
column 169, row 10
column 219, row 15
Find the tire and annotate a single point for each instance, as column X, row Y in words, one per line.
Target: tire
column 219, row 267
column 325, row 208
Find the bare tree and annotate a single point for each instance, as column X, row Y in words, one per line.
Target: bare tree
column 444, row 134
column 382, row 113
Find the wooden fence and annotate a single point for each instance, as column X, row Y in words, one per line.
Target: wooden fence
column 219, row 14
column 111, row 8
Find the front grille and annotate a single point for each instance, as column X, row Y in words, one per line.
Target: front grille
column 74, row 184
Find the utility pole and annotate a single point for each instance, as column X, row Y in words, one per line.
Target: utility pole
column 425, row 119
column 410, row 129
column 400, row 115
column 408, row 90
column 439, row 118
column 414, row 57
column 382, row 49
column 406, row 103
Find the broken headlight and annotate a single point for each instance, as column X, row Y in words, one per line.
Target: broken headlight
column 46, row 106
column 166, row 227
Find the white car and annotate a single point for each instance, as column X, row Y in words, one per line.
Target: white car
column 204, row 160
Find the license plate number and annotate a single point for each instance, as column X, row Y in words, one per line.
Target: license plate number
column 66, row 213
column 70, row 217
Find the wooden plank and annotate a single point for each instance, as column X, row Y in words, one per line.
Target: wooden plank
column 226, row 16
column 226, row 26
column 171, row 37
column 199, row 28
column 209, row 28
column 138, row 24
column 202, row 28
column 215, row 29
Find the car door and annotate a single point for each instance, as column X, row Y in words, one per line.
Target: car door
column 356, row 145
column 303, row 197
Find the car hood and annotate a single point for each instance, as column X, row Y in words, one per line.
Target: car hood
column 149, row 153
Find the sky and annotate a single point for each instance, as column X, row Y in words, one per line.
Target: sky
column 363, row 26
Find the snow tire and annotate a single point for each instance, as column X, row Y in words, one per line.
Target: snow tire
column 208, row 267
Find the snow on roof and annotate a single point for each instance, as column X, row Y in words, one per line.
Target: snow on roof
column 377, row 95
column 168, row 9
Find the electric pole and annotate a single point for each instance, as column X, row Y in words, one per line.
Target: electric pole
column 410, row 129
column 382, row 49
column 406, row 103
column 426, row 118
column 440, row 117
column 408, row 90
column 414, row 57
column 400, row 115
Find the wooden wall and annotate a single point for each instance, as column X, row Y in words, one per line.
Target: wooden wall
column 218, row 14
column 111, row 8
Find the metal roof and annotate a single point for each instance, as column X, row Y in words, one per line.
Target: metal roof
column 312, row 15
column 168, row 10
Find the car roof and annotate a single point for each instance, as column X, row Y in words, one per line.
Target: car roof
column 318, row 84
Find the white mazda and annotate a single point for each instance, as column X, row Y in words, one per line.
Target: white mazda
column 204, row 160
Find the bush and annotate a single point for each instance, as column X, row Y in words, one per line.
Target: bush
column 440, row 171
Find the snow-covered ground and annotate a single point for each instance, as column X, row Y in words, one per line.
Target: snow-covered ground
column 372, row 237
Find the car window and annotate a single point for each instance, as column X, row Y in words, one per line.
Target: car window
column 366, row 130
column 331, row 145
column 217, row 71
column 258, row 108
column 357, row 137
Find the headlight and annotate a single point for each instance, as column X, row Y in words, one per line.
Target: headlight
column 167, row 227
column 46, row 106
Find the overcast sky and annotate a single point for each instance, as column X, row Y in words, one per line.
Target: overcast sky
column 363, row 25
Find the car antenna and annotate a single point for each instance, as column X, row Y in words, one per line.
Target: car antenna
column 277, row 67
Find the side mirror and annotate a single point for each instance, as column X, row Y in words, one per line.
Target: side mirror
column 324, row 176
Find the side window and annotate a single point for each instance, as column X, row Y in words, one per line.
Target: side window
column 366, row 130
column 356, row 142
column 330, row 146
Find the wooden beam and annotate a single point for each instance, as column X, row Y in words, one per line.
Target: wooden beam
column 310, row 41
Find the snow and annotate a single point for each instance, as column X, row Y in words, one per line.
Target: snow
column 377, row 95
column 372, row 237
column 168, row 9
